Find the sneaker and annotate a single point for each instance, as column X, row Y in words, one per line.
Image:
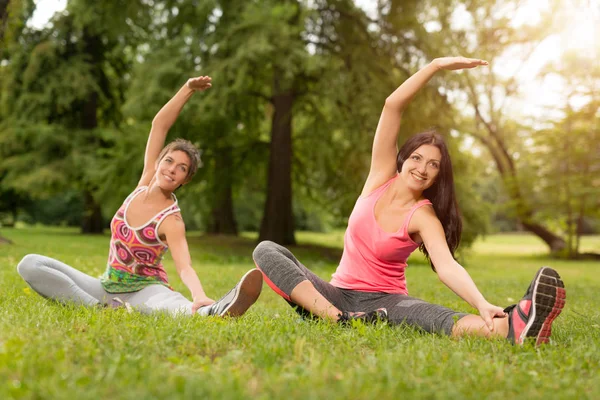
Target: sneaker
column 239, row 299
column 346, row 318
column 532, row 317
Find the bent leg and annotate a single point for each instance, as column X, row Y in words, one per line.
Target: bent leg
column 297, row 284
column 58, row 281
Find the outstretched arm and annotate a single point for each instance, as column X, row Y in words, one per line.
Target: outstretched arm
column 450, row 272
column 174, row 229
column 385, row 143
column 163, row 121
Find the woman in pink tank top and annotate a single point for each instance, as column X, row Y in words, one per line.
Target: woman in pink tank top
column 408, row 202
column 147, row 224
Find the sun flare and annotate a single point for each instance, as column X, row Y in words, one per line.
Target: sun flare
column 580, row 27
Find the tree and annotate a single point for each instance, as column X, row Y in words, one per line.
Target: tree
column 321, row 71
column 565, row 154
column 63, row 88
column 12, row 17
column 489, row 35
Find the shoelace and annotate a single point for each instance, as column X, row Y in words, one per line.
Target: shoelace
column 371, row 317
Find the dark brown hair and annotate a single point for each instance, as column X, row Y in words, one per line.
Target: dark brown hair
column 188, row 148
column 441, row 194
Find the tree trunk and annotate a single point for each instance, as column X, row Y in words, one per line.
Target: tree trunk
column 525, row 213
column 553, row 241
column 278, row 219
column 222, row 220
column 3, row 17
column 92, row 215
column 507, row 170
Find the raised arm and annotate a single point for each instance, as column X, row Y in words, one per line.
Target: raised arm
column 385, row 143
column 163, row 121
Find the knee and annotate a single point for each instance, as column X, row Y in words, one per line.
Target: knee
column 28, row 266
column 263, row 250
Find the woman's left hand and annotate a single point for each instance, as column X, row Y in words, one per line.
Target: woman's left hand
column 488, row 312
column 199, row 83
column 201, row 302
column 454, row 63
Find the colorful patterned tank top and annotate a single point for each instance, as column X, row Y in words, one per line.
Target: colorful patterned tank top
column 135, row 256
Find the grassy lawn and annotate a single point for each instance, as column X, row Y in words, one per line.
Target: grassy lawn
column 52, row 351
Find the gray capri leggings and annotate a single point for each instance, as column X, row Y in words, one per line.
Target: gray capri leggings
column 283, row 272
column 58, row 281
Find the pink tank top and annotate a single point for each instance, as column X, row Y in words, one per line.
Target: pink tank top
column 135, row 256
column 373, row 259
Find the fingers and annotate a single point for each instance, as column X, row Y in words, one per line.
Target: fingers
column 475, row 62
column 201, row 80
column 489, row 322
column 199, row 83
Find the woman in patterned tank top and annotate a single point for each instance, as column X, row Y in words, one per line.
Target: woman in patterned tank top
column 408, row 202
column 147, row 224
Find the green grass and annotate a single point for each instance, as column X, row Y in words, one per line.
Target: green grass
column 53, row 351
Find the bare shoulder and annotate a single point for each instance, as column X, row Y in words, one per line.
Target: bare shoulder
column 173, row 223
column 423, row 218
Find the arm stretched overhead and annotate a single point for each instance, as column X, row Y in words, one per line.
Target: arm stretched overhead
column 163, row 121
column 385, row 143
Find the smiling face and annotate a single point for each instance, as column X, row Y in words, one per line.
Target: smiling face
column 172, row 170
column 421, row 168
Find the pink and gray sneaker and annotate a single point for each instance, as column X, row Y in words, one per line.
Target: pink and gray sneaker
column 532, row 317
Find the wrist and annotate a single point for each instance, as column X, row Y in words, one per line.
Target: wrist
column 199, row 296
column 481, row 303
column 435, row 63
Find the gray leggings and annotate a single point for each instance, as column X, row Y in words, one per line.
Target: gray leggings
column 283, row 272
column 58, row 281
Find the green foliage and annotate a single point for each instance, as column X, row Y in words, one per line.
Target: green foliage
column 48, row 350
column 568, row 165
column 340, row 63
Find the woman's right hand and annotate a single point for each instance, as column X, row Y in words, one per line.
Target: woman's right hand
column 454, row 63
column 199, row 83
column 201, row 302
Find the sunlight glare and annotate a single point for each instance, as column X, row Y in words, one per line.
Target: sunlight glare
column 581, row 27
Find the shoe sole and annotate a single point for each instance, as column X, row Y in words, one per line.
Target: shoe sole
column 249, row 290
column 548, row 301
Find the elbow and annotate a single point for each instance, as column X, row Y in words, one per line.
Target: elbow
column 442, row 274
column 184, row 270
column 389, row 102
column 156, row 123
column 393, row 105
column 445, row 272
column 159, row 127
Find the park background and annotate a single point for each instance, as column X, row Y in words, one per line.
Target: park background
column 286, row 133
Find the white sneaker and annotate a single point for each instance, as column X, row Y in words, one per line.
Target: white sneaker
column 239, row 299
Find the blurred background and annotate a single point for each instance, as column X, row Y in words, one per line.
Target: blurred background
column 298, row 85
